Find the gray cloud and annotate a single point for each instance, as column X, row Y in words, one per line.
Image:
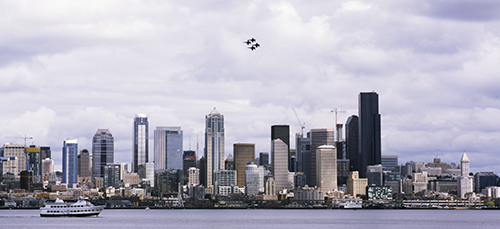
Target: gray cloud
column 70, row 68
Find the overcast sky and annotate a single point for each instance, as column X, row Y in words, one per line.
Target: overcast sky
column 68, row 68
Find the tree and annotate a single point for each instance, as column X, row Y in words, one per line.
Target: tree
column 490, row 204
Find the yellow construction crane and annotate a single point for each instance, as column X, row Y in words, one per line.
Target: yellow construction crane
column 302, row 125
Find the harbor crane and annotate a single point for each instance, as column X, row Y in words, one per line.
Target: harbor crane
column 302, row 125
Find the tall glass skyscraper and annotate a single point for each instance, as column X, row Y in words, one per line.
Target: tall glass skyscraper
column 70, row 162
column 352, row 142
column 214, row 144
column 369, row 132
column 102, row 151
column 168, row 148
column 141, row 146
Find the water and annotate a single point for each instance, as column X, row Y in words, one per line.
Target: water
column 259, row 218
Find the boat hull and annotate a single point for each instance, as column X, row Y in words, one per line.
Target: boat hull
column 70, row 215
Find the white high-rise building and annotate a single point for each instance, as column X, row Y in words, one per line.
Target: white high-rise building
column 150, row 173
column 326, row 167
column 465, row 180
column 19, row 164
column 141, row 142
column 168, row 148
column 279, row 158
column 254, row 179
column 214, row 145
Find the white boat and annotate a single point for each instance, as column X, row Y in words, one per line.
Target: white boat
column 351, row 204
column 80, row 208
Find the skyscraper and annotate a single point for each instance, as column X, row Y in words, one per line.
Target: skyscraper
column 369, row 131
column 141, row 143
column 254, row 179
column 168, row 148
column 318, row 137
column 70, row 162
column 352, row 142
column 279, row 158
column 326, row 167
column 84, row 163
column 303, row 149
column 45, row 152
column 283, row 132
column 102, row 151
column 243, row 153
column 84, row 175
column 19, row 164
column 264, row 159
column 34, row 162
column 214, row 145
column 464, row 180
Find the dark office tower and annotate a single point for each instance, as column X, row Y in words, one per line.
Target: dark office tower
column 45, row 152
column 141, row 146
column 243, row 153
column 188, row 161
column 352, row 142
column 34, row 162
column 84, row 163
column 369, row 131
column 202, row 165
column 102, row 151
column 318, row 137
column 282, row 132
column 229, row 162
column 264, row 159
column 189, row 154
column 303, row 151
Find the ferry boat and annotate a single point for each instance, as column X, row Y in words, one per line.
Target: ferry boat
column 80, row 208
column 351, row 204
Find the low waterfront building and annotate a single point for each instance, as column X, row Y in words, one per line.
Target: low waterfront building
column 356, row 186
column 309, row 194
column 379, row 193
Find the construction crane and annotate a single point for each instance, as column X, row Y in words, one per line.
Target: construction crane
column 302, row 125
column 337, row 111
column 336, row 123
column 25, row 137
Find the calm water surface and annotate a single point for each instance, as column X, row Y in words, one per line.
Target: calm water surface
column 253, row 218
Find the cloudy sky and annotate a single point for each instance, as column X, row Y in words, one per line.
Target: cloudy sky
column 68, row 68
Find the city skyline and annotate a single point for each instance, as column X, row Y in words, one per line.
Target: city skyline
column 69, row 69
